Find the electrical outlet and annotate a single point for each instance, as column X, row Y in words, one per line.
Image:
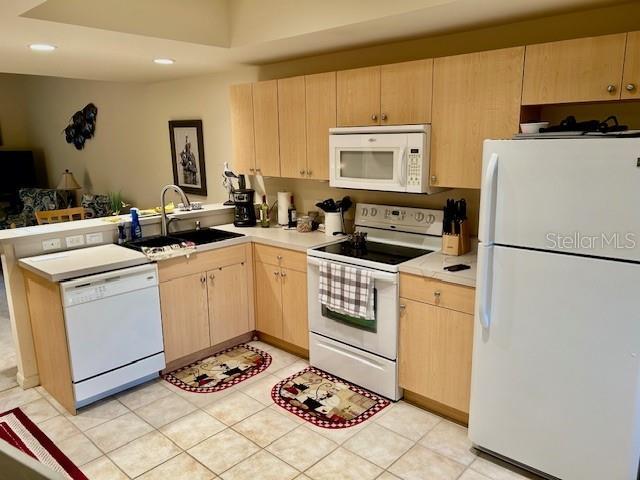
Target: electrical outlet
column 51, row 244
column 93, row 238
column 75, row 241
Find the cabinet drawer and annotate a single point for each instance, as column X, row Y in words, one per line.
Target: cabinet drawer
column 435, row 292
column 281, row 257
column 201, row 262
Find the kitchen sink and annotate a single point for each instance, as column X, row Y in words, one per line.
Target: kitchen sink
column 199, row 237
column 206, row 235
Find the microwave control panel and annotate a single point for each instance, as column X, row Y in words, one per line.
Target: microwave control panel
column 414, row 167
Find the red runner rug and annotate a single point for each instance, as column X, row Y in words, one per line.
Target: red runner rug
column 18, row 431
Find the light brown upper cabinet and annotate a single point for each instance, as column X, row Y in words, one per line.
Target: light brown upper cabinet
column 405, row 92
column 631, row 76
column 320, row 117
column 394, row 94
column 580, row 70
column 293, row 133
column 475, row 96
column 242, row 135
column 265, row 124
column 358, row 96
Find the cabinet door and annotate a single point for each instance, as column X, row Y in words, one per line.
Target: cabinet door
column 581, row 70
column 359, row 97
column 631, row 77
column 228, row 302
column 185, row 316
column 292, row 117
column 295, row 325
column 268, row 299
column 435, row 353
column 406, row 90
column 242, row 135
column 475, row 96
column 265, row 121
column 321, row 116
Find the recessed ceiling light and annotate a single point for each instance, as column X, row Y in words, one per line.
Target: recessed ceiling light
column 164, row 61
column 42, row 47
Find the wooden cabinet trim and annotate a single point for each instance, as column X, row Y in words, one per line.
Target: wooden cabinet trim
column 201, row 262
column 437, row 293
column 281, row 257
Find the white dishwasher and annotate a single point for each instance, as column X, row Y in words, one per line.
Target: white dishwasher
column 114, row 331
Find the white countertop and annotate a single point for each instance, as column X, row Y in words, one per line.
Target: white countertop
column 60, row 266
column 105, row 223
column 432, row 266
column 279, row 237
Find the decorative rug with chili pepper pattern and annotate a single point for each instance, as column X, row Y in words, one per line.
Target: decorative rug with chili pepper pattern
column 325, row 400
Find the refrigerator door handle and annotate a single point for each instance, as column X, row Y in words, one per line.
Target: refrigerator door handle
column 485, row 286
column 488, row 201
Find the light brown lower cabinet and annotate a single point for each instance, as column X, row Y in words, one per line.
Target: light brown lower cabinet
column 206, row 299
column 185, row 315
column 281, row 295
column 435, row 353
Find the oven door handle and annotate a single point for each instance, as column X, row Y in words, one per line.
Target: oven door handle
column 377, row 275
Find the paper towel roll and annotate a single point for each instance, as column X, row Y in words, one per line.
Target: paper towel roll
column 284, row 201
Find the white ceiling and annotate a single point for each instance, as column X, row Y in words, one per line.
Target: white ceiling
column 117, row 39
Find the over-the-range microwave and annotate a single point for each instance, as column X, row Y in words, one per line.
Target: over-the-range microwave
column 392, row 158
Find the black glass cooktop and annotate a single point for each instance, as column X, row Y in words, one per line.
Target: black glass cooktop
column 375, row 252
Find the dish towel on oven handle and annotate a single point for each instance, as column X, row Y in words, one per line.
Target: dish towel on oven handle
column 346, row 290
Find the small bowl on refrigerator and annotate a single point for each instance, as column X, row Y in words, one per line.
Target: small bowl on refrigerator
column 533, row 127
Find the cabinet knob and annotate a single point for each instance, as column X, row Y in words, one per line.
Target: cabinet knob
column 611, row 88
column 283, row 273
column 252, row 170
column 279, row 257
column 212, row 277
column 374, row 117
column 302, row 172
column 383, row 116
column 403, row 307
column 203, row 279
column 436, row 294
column 434, row 179
column 276, row 273
column 309, row 172
column 630, row 87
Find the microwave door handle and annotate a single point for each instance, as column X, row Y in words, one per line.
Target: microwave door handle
column 403, row 167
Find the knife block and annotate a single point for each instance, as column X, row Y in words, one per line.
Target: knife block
column 457, row 244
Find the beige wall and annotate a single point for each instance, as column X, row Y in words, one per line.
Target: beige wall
column 13, row 115
column 131, row 149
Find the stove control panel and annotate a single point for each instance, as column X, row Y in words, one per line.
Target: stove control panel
column 412, row 220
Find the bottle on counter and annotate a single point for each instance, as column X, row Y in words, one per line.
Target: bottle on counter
column 136, row 229
column 122, row 234
column 292, row 214
column 264, row 212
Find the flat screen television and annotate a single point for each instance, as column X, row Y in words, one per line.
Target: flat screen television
column 17, row 170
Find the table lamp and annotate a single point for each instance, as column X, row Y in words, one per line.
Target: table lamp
column 67, row 183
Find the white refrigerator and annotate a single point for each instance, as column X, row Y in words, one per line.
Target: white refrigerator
column 556, row 358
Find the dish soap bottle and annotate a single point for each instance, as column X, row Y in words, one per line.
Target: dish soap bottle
column 122, row 234
column 136, row 229
column 264, row 213
column 292, row 215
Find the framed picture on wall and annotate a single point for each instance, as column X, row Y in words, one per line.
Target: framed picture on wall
column 187, row 155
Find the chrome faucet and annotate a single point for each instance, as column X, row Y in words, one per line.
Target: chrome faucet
column 183, row 197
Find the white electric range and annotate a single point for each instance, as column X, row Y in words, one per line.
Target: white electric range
column 341, row 345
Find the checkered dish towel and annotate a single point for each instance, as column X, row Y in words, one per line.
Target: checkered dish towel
column 346, row 290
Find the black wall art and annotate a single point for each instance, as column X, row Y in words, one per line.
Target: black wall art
column 82, row 126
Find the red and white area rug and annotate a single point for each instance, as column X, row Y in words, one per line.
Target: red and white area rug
column 17, row 430
column 221, row 370
column 325, row 400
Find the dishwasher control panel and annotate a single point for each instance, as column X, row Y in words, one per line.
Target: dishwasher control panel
column 96, row 287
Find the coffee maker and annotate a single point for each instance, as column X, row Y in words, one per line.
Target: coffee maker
column 243, row 198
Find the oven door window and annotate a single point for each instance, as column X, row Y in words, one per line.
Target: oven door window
column 355, row 322
column 367, row 164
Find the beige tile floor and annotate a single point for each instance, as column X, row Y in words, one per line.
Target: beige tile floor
column 158, row 431
column 8, row 366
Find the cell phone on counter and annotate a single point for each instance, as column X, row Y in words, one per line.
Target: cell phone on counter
column 457, row 268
